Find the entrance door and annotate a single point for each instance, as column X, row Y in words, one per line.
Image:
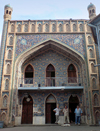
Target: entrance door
column 50, row 106
column 50, row 115
column 73, row 102
column 27, row 111
column 50, row 75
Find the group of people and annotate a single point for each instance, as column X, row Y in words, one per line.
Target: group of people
column 78, row 113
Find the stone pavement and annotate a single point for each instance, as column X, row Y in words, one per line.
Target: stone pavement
column 52, row 128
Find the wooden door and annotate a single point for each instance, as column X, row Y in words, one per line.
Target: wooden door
column 48, row 113
column 27, row 111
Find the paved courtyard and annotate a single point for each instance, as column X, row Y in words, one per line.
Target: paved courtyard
column 53, row 128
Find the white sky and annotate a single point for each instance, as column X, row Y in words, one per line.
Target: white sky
column 51, row 9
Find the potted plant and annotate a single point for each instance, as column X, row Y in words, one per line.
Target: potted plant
column 1, row 122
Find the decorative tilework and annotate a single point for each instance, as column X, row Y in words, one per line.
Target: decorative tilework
column 40, row 99
column 95, row 92
column 32, row 40
column 5, row 93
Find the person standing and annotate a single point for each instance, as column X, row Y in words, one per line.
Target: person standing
column 66, row 115
column 78, row 113
column 57, row 110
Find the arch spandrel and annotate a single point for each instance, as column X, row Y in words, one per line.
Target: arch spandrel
column 27, row 42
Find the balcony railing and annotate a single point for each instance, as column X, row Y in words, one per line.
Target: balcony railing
column 50, row 81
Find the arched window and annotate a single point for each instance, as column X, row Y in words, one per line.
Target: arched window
column 9, row 54
column 6, row 84
column 9, row 12
column 81, row 27
column 29, row 72
column 11, row 41
column 60, row 28
column 88, row 28
column 90, row 11
column 97, row 116
column 96, row 101
column 91, row 53
column 32, row 28
column 92, row 68
column 5, row 99
column 12, row 28
column 93, row 11
column 74, row 27
column 19, row 28
column 46, row 28
column 8, row 68
column 26, row 28
column 67, row 27
column 39, row 28
column 53, row 28
column 3, row 117
column 72, row 74
column 50, row 75
column 6, row 11
column 94, row 86
column 89, row 40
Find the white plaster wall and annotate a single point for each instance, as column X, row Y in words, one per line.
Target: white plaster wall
column 38, row 120
column 17, row 120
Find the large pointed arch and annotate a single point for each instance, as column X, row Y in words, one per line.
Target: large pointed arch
column 46, row 45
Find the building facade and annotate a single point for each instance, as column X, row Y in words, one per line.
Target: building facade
column 44, row 63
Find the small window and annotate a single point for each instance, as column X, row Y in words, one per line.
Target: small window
column 6, row 84
column 32, row 28
column 9, row 12
column 5, row 101
column 67, row 27
column 53, row 28
column 11, row 41
column 6, row 11
column 19, row 28
column 92, row 68
column 96, row 100
column 39, row 28
column 8, row 68
column 12, row 28
column 9, row 54
column 60, row 28
column 89, row 40
column 93, row 11
column 81, row 27
column 94, row 86
column 46, row 28
column 91, row 53
column 26, row 28
column 90, row 11
column 74, row 27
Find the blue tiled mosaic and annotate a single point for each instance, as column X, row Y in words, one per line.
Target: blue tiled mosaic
column 75, row 41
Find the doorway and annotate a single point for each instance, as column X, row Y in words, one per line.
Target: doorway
column 50, row 75
column 73, row 102
column 27, row 110
column 50, row 106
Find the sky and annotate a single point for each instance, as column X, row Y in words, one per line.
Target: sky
column 47, row 9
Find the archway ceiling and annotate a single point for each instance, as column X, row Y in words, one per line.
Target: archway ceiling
column 51, row 45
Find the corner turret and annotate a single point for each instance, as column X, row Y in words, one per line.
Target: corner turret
column 92, row 10
column 7, row 12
